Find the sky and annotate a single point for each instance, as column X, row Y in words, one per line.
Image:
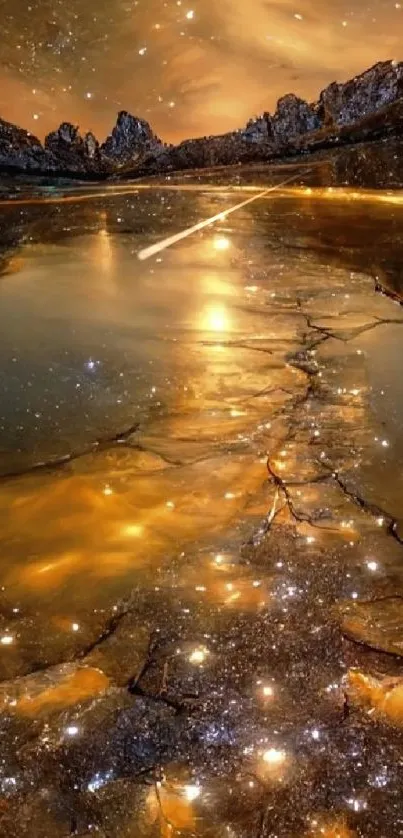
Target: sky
column 190, row 67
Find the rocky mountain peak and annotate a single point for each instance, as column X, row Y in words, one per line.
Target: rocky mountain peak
column 343, row 104
column 131, row 139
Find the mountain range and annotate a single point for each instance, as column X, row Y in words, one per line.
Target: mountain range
column 366, row 109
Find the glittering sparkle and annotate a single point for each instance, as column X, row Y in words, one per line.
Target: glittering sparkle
column 274, row 756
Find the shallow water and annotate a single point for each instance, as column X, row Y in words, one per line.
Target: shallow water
column 201, row 465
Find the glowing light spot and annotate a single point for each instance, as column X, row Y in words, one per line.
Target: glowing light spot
column 373, row 566
column 190, row 15
column 192, row 792
column 268, row 692
column 147, row 252
column 221, row 243
column 75, row 627
column 198, row 656
column 7, row 640
column 215, row 319
column 356, row 804
column 274, row 756
column 133, row 530
column 72, row 730
column 99, row 780
column 107, row 491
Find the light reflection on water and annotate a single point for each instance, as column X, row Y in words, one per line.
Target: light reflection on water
column 111, row 518
column 234, row 349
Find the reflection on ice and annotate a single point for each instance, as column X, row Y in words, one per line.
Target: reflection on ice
column 180, row 604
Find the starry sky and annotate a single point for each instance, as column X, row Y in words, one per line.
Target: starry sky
column 190, row 67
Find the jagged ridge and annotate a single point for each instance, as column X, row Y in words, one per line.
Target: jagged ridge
column 368, row 107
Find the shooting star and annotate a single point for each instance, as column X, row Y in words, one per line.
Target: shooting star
column 147, row 252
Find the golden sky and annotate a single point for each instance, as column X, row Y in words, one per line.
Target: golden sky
column 191, row 67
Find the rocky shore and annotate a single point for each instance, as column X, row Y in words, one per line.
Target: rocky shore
column 364, row 115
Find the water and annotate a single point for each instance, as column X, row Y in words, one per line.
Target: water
column 201, row 474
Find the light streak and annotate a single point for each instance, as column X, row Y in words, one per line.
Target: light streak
column 147, row 252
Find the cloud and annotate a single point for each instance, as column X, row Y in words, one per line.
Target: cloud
column 234, row 59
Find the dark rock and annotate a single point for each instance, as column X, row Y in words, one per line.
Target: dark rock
column 343, row 104
column 381, row 125
column 19, row 149
column 209, row 152
column 132, row 139
column 292, row 118
column 69, row 152
column 66, row 137
column 259, row 130
column 367, row 109
column 91, row 145
column 375, row 165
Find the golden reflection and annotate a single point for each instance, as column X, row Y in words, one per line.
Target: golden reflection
column 330, row 192
column 25, row 699
column 215, row 318
column 103, row 254
column 210, row 583
column 274, row 757
column 15, row 264
column 379, row 696
column 274, row 765
column 144, row 518
column 341, row 194
column 114, row 514
column 192, row 792
column 132, row 530
column 171, row 806
column 266, row 691
column 198, row 656
column 101, row 249
column 221, row 243
column 46, row 574
column 323, row 827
